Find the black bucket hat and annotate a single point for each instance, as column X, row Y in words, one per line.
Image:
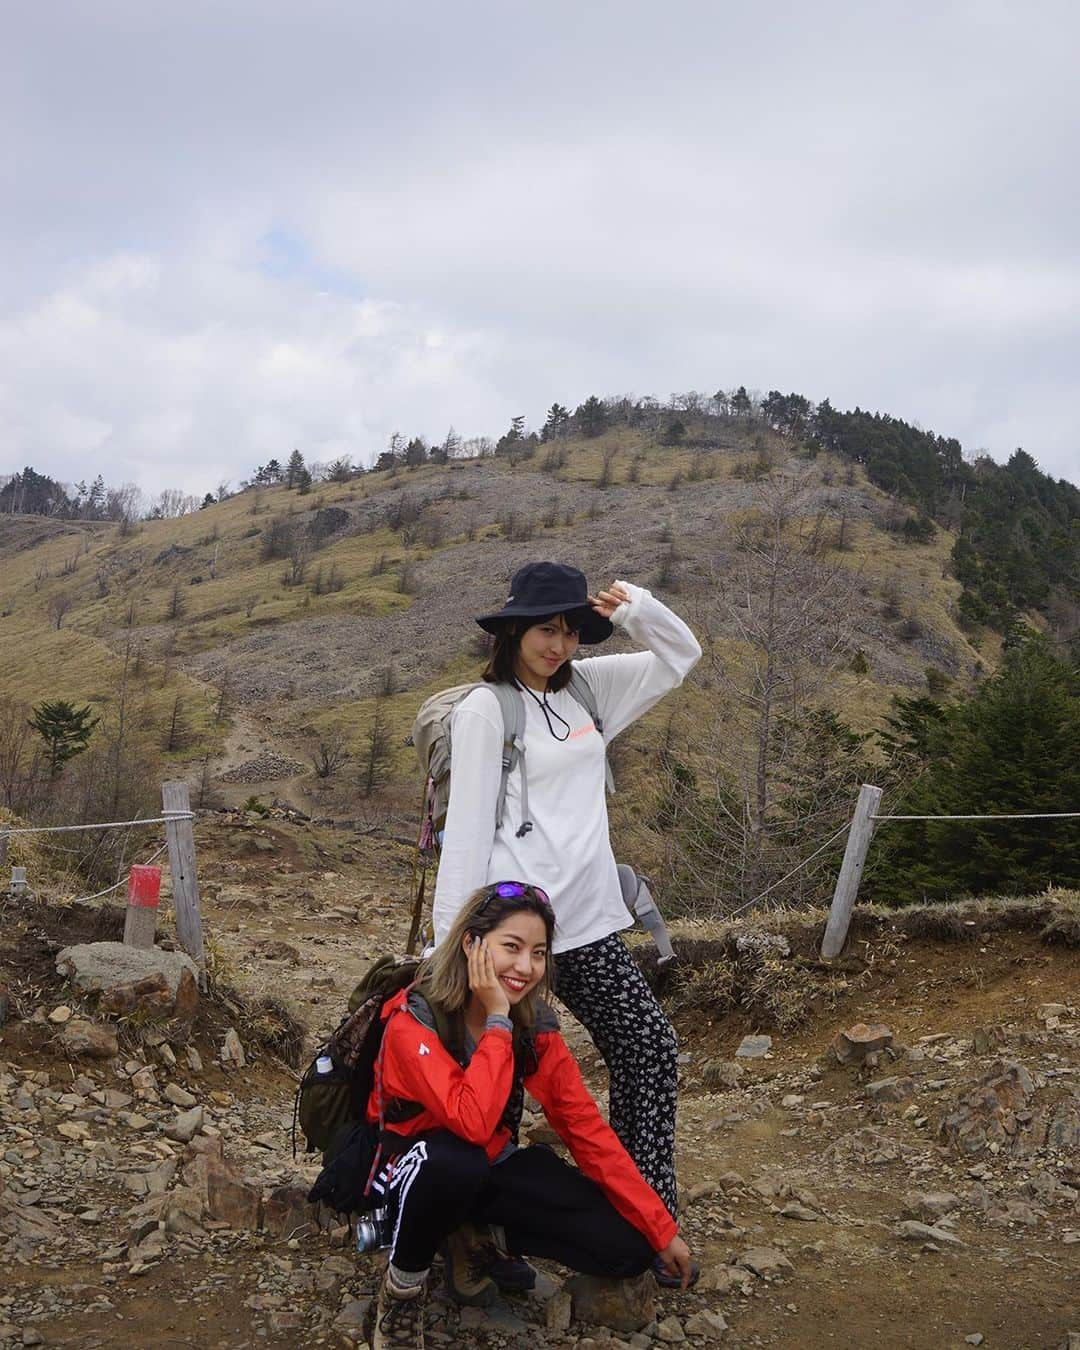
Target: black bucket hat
column 542, row 588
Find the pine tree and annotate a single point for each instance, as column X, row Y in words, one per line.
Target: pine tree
column 558, row 420
column 95, row 501
column 1013, row 747
column 592, row 417
column 416, row 452
column 65, row 730
column 294, row 469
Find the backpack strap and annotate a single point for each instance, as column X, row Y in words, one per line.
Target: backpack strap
column 580, row 689
column 512, row 707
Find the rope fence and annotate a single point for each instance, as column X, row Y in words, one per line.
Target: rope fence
column 863, row 823
column 1020, row 815
column 805, row 862
column 178, row 819
column 138, row 823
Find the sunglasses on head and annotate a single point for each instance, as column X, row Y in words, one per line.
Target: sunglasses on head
column 513, row 890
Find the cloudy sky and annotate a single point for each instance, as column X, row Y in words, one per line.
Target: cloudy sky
column 232, row 227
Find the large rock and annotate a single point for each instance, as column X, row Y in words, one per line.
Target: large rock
column 287, row 1213
column 890, row 1090
column 721, row 1073
column 929, row 1205
column 913, row 1231
column 133, row 979
column 754, row 1047
column 225, row 1195
column 186, row 1125
column 766, row 1262
column 622, row 1305
column 854, row 1044
column 81, row 1038
column 988, row 1116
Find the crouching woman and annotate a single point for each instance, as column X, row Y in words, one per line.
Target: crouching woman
column 450, row 1113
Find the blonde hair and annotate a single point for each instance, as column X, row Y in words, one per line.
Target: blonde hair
column 444, row 976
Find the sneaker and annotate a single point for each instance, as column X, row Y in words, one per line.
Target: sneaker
column 666, row 1281
column 466, row 1258
column 399, row 1317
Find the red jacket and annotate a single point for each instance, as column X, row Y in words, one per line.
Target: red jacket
column 417, row 1067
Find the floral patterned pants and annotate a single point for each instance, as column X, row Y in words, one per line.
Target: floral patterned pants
column 607, row 993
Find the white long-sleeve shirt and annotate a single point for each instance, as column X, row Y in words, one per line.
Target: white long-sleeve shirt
column 567, row 852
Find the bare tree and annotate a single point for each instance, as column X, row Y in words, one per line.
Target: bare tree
column 327, row 758
column 171, row 503
column 21, row 766
column 59, row 605
column 772, row 777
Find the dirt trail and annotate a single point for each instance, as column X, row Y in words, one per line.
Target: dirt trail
column 251, row 737
column 817, row 1163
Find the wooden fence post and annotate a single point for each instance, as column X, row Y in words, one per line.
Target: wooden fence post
column 847, row 883
column 185, row 885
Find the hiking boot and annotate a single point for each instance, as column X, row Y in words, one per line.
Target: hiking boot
column 511, row 1273
column 399, row 1317
column 466, row 1258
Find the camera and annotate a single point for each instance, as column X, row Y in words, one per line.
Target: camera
column 375, row 1230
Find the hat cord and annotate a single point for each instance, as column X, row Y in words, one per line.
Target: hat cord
column 548, row 711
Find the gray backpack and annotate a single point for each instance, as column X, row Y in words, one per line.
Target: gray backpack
column 431, row 736
column 432, row 739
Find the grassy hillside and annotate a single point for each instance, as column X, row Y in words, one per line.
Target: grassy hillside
column 305, row 609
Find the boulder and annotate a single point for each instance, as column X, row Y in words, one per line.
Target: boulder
column 622, row 1305
column 929, row 1205
column 988, row 1115
column 721, row 1073
column 133, row 979
column 890, row 1090
column 225, row 1195
column 88, row 1038
column 287, row 1213
column 670, row 1331
column 179, row 1096
column 766, row 1262
column 186, row 1125
column 232, row 1051
column 559, row 1312
column 854, row 1044
column 707, row 1325
column 911, row 1231
column 183, row 1212
column 725, row 1280
column 988, row 1040
column 754, row 1047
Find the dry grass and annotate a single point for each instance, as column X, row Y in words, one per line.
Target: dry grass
column 273, row 637
column 712, row 976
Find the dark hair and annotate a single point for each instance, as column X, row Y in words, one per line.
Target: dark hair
column 444, row 974
column 501, row 666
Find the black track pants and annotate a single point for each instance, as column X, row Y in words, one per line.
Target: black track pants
column 547, row 1207
column 603, row 987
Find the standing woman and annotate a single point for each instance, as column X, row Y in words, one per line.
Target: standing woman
column 562, row 845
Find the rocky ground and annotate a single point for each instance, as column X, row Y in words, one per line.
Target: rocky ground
column 912, row 1182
